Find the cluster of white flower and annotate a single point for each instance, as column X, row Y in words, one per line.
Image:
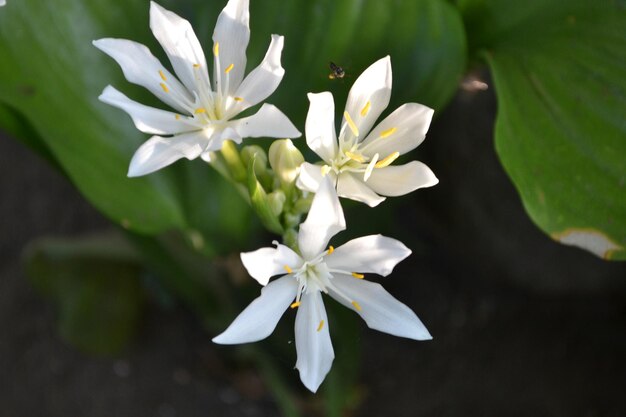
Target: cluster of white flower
column 356, row 164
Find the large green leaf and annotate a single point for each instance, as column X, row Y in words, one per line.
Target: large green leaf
column 558, row 67
column 53, row 75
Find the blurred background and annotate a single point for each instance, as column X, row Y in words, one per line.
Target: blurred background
column 112, row 288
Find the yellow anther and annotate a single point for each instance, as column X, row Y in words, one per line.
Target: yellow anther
column 351, row 124
column 388, row 160
column 164, row 87
column 216, row 49
column 355, row 157
column 289, row 270
column 356, row 305
column 162, row 75
column 366, row 109
column 296, row 304
column 200, row 110
column 229, row 68
column 357, row 275
column 325, row 170
column 331, row 250
column 321, row 326
column 388, row 132
column 237, row 98
column 177, row 117
column 196, row 66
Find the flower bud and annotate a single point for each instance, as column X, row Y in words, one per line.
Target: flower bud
column 285, row 159
column 276, row 200
column 256, row 153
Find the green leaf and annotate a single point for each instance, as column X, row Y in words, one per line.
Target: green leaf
column 261, row 203
column 95, row 285
column 52, row 75
column 558, row 67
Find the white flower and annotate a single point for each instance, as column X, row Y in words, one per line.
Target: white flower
column 2, row 2
column 360, row 163
column 204, row 111
column 318, row 268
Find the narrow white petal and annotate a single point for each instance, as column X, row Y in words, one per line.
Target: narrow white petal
column 401, row 131
column 325, row 219
column 310, row 177
column 267, row 122
column 181, row 45
column 232, row 32
column 148, row 119
column 350, row 185
column 398, row 180
column 264, row 263
column 313, row 345
column 260, row 318
column 375, row 253
column 320, row 126
column 142, row 68
column 369, row 96
column 263, row 80
column 380, row 310
column 158, row 152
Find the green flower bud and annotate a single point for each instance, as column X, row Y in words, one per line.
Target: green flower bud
column 285, row 159
column 256, row 153
column 276, row 200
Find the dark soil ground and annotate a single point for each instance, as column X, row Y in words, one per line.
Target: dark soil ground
column 522, row 325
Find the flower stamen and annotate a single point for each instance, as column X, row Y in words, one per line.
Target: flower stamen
column 387, row 160
column 320, row 326
column 388, row 132
column 238, row 98
column 200, row 110
column 366, row 109
column 355, row 157
column 351, row 125
column 216, row 48
column 357, row 275
column 229, row 68
column 356, row 305
column 177, row 117
column 162, row 75
column 289, row 270
column 164, row 87
column 331, row 249
column 295, row 304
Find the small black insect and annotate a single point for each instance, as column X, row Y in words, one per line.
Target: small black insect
column 336, row 71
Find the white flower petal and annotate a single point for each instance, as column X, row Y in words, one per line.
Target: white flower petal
column 158, row 152
column 401, row 131
column 263, row 80
column 313, row 345
column 398, row 180
column 264, row 263
column 380, row 310
column 232, row 32
column 325, row 219
column 350, row 185
column 311, row 176
column 182, row 47
column 2, row 3
column 148, row 119
column 260, row 318
column 368, row 97
column 375, row 253
column 142, row 68
column 320, row 125
column 267, row 122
